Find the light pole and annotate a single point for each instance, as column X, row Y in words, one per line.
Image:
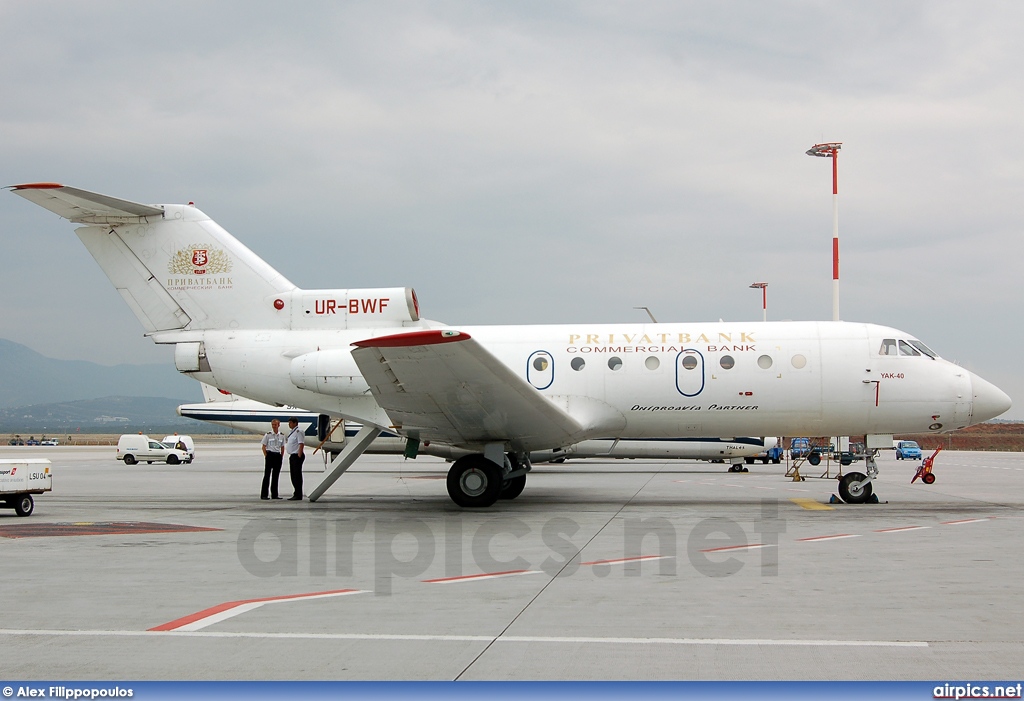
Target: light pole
column 764, row 297
column 831, row 150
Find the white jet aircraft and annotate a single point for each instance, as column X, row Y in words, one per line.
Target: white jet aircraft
column 503, row 392
column 226, row 409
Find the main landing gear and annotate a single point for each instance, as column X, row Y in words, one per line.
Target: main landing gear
column 478, row 481
column 737, row 465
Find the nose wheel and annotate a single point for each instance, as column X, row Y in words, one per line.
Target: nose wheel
column 854, row 488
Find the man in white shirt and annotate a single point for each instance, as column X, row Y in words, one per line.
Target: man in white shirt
column 294, row 446
column 273, row 454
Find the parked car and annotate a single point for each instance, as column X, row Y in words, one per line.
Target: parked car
column 774, row 455
column 908, row 450
column 847, row 457
column 32, row 441
column 183, row 443
column 49, row 441
column 135, row 447
column 799, row 447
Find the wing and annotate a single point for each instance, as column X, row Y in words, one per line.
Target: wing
column 83, row 206
column 442, row 385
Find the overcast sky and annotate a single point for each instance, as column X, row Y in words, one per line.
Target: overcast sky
column 536, row 162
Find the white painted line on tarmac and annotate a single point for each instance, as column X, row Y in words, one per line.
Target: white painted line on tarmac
column 478, row 577
column 828, row 537
column 900, row 529
column 715, row 641
column 966, row 520
column 621, row 560
column 222, row 612
column 767, row 642
column 751, row 546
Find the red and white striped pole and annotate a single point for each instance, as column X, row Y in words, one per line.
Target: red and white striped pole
column 831, row 150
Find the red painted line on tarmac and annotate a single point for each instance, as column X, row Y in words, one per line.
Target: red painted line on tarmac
column 966, row 520
column 901, row 528
column 828, row 537
column 624, row 559
column 484, row 575
column 227, row 606
column 749, row 546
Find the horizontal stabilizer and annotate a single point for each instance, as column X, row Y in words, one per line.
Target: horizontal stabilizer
column 81, row 205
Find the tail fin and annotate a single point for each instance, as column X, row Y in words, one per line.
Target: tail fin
column 172, row 264
column 212, row 394
column 177, row 269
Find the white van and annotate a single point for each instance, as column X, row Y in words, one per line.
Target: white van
column 184, row 443
column 135, row 447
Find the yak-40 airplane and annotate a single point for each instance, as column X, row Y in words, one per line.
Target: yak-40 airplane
column 226, row 409
column 503, row 392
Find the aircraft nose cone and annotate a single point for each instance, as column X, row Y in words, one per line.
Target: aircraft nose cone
column 989, row 400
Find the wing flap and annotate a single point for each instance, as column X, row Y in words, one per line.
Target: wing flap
column 443, row 385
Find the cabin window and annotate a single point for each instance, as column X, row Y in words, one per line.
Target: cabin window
column 652, row 362
column 764, row 362
column 727, row 362
column 799, row 361
column 888, row 347
column 615, row 363
column 578, row 364
column 689, row 362
column 907, row 349
column 540, row 363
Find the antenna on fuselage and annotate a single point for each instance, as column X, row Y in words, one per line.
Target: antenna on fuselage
column 648, row 313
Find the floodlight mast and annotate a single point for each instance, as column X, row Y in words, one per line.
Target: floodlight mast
column 831, row 150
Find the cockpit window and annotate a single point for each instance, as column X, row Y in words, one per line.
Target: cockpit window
column 888, row 347
column 924, row 349
column 907, row 349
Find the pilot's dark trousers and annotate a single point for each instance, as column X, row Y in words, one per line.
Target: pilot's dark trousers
column 271, row 473
column 295, row 467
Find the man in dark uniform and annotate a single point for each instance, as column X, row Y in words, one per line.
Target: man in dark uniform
column 294, row 447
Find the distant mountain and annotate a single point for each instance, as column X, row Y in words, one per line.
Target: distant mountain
column 30, row 378
column 104, row 415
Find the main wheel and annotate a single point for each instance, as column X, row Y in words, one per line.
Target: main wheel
column 853, row 489
column 814, row 458
column 511, row 488
column 172, row 459
column 129, row 459
column 474, row 481
column 23, row 504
